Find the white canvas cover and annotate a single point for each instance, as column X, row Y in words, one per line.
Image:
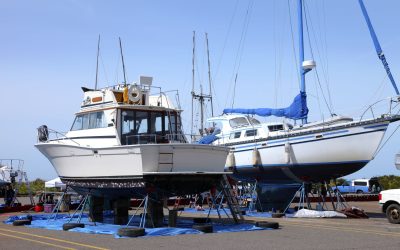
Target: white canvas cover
column 54, row 183
column 306, row 213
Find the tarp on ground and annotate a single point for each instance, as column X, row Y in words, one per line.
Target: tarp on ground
column 225, row 211
column 306, row 213
column 183, row 226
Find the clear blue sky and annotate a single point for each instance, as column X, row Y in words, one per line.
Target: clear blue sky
column 48, row 51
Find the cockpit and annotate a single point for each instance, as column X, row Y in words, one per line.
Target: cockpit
column 147, row 126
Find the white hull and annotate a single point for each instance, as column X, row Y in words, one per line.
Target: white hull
column 134, row 160
column 311, row 156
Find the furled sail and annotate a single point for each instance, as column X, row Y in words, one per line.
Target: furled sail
column 297, row 110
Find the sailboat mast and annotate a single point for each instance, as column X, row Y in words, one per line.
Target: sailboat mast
column 301, row 47
column 193, row 96
column 209, row 77
column 122, row 58
column 97, row 62
column 377, row 45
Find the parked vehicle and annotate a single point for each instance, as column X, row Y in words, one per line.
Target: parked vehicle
column 359, row 186
column 390, row 202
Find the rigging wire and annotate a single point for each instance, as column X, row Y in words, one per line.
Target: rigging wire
column 223, row 49
column 293, row 46
column 325, row 43
column 312, row 56
column 104, row 68
column 242, row 40
column 309, row 20
column 376, row 153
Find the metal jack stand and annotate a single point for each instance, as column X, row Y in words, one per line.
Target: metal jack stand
column 56, row 208
column 338, row 202
column 303, row 198
column 142, row 222
column 218, row 206
column 80, row 209
column 253, row 195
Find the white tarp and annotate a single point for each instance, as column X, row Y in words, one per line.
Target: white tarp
column 54, row 183
column 306, row 213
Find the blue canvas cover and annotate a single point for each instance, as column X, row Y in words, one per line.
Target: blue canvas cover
column 297, row 110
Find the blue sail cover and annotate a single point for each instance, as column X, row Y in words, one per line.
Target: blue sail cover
column 297, row 110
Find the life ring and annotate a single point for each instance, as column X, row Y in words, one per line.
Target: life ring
column 134, row 94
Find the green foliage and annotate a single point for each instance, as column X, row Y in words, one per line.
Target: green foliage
column 339, row 182
column 36, row 185
column 389, row 181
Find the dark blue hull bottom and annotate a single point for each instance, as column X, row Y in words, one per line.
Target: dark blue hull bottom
column 298, row 173
column 276, row 186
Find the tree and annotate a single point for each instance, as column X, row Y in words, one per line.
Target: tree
column 389, row 181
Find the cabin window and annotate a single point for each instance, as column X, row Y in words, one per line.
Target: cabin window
column 254, row 121
column 252, row 132
column 235, row 135
column 142, row 127
column 273, row 128
column 238, row 122
column 89, row 121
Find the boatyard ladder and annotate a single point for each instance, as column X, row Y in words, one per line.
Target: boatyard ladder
column 231, row 199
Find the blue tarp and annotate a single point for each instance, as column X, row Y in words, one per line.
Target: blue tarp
column 208, row 139
column 248, row 213
column 183, row 226
column 297, row 110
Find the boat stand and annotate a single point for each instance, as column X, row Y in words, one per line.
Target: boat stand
column 218, row 206
column 302, row 193
column 337, row 199
column 56, row 208
column 253, row 197
column 79, row 210
column 142, row 222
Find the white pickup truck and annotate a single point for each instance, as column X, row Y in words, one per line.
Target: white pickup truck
column 390, row 202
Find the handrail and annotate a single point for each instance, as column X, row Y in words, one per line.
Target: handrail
column 56, row 133
column 391, row 100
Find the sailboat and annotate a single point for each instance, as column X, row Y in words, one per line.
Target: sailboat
column 286, row 153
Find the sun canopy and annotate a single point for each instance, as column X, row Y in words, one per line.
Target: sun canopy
column 297, row 110
column 54, row 183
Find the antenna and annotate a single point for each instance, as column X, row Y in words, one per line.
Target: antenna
column 97, row 62
column 122, row 58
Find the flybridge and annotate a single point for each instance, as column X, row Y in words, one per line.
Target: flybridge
column 127, row 94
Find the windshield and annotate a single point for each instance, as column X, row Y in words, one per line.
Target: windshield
column 142, row 127
column 238, row 122
column 89, row 121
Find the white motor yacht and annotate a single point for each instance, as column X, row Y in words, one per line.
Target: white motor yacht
column 125, row 141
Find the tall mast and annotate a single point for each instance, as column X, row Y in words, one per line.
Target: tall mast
column 97, row 62
column 301, row 47
column 193, row 96
column 209, row 77
column 377, row 45
column 122, row 58
column 304, row 66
